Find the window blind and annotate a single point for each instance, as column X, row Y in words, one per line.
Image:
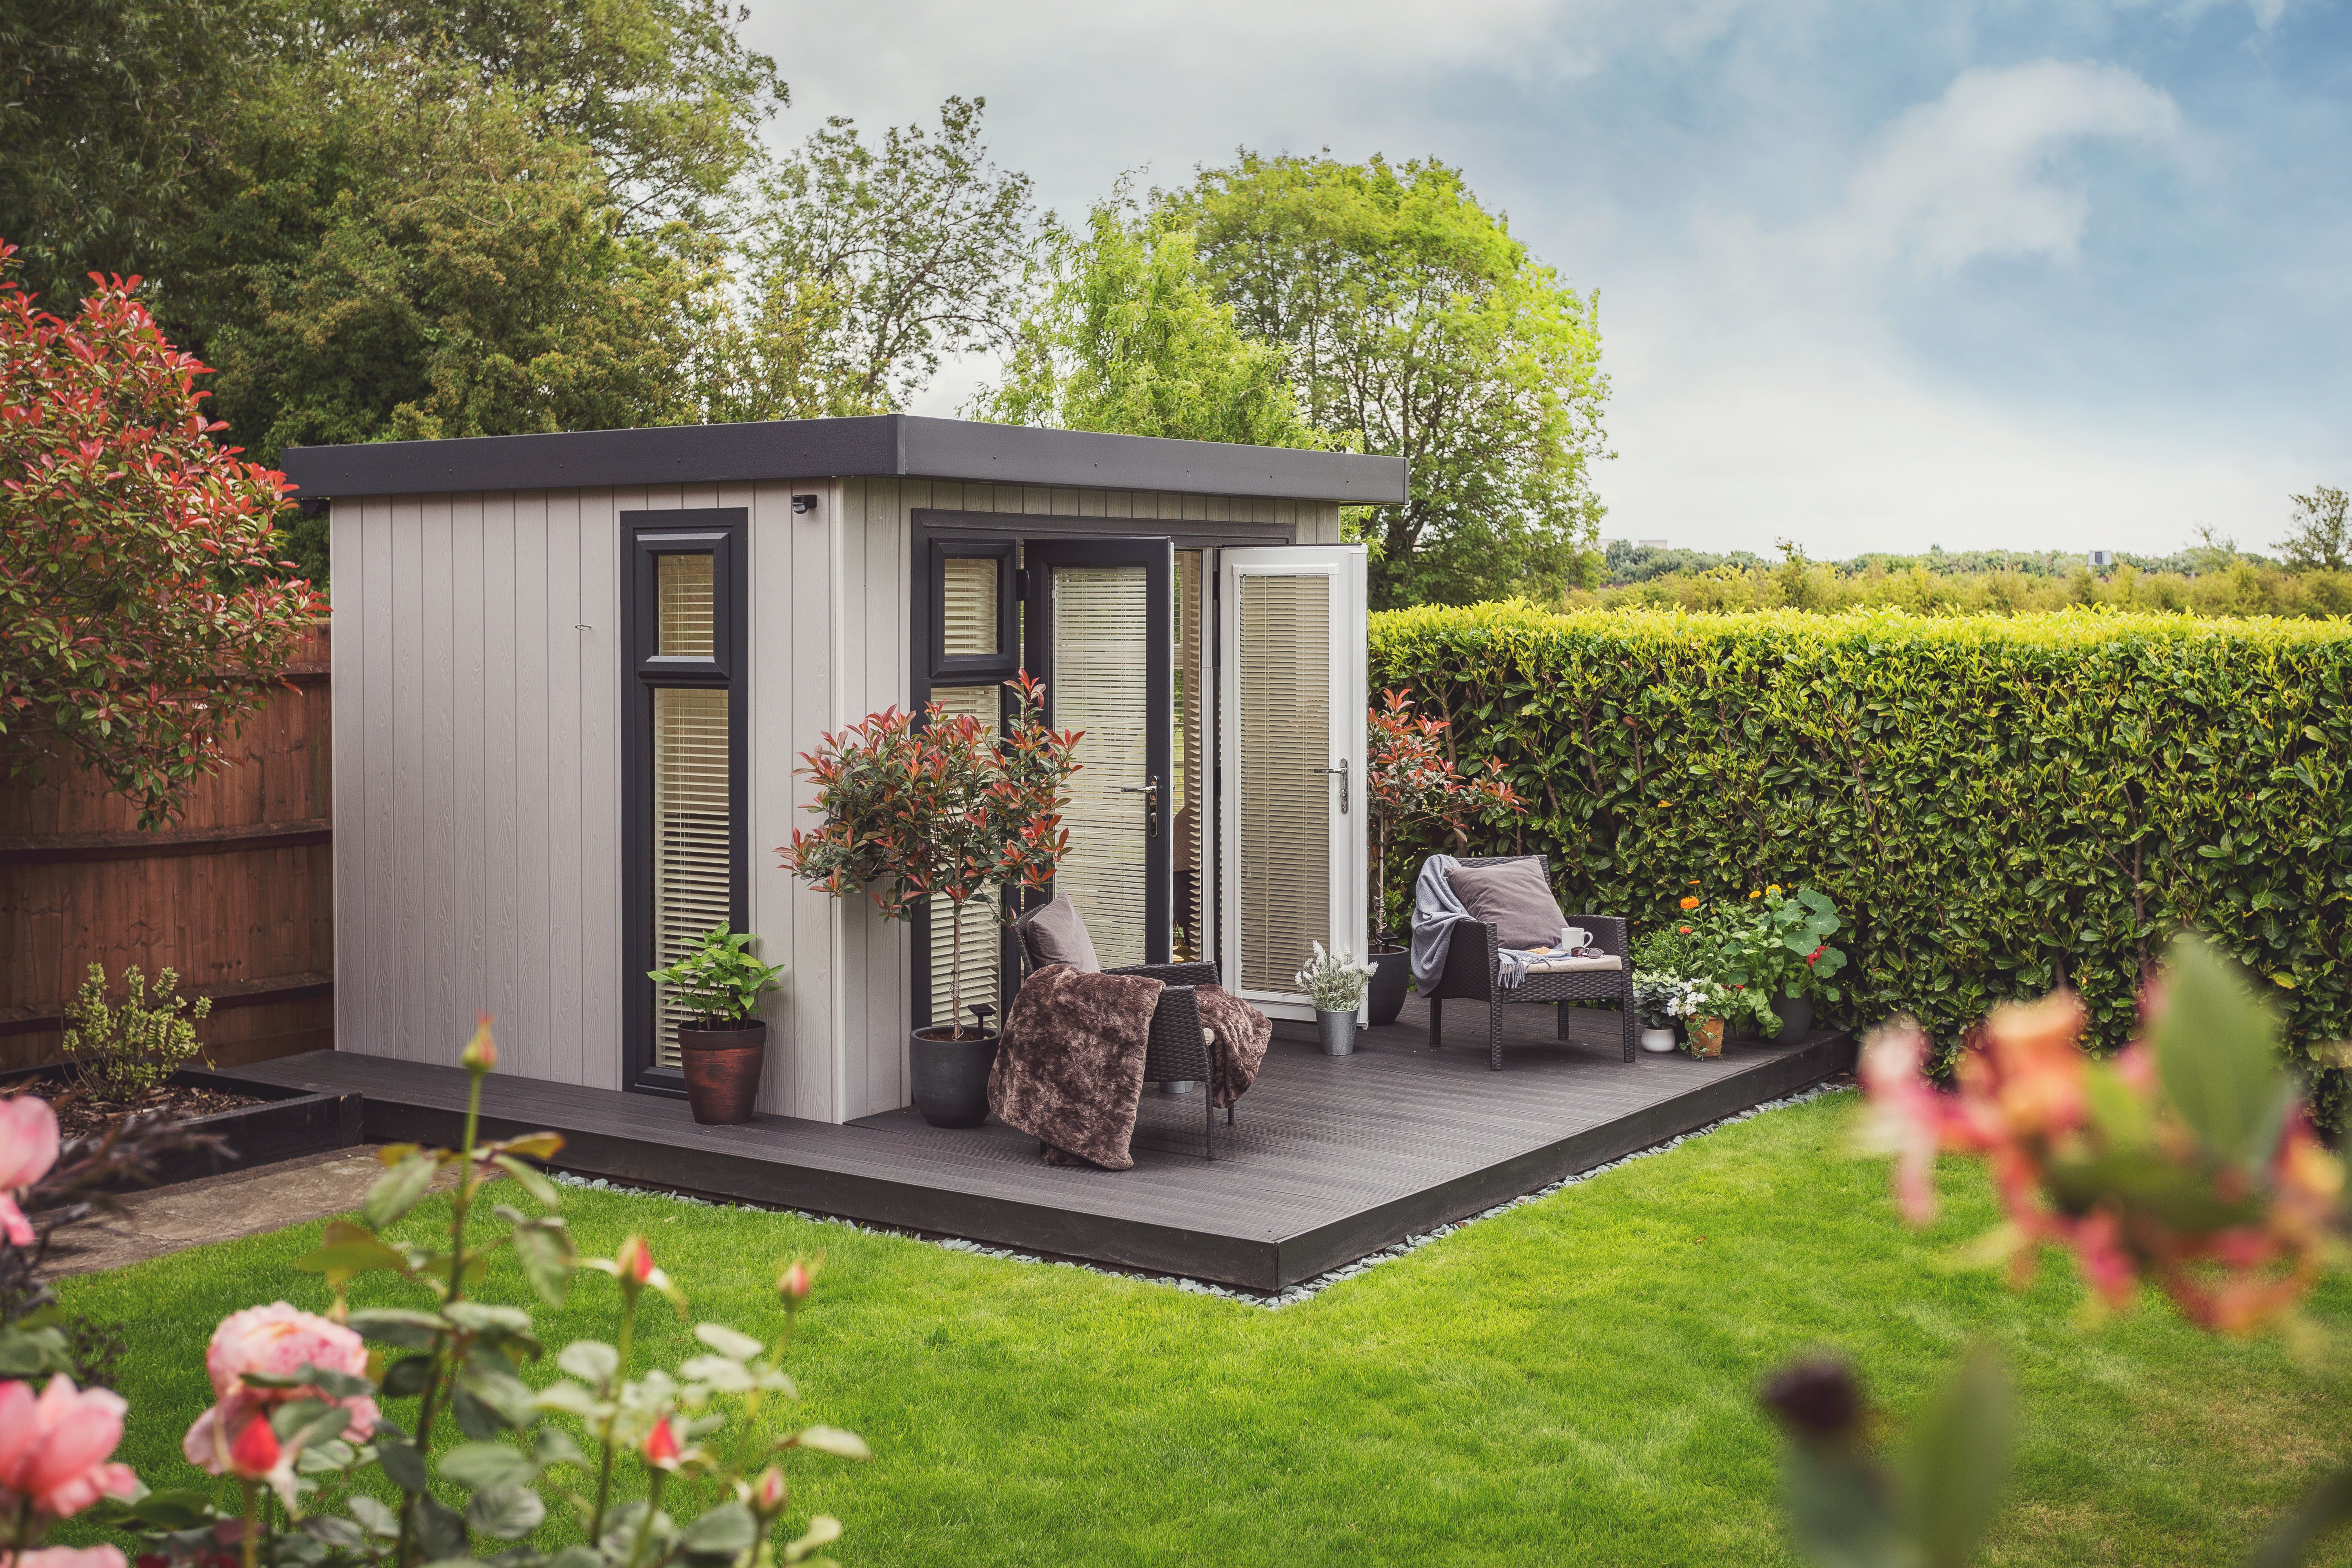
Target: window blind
column 1100, row 654
column 980, row 979
column 692, row 874
column 1284, row 693
column 685, row 606
column 968, row 605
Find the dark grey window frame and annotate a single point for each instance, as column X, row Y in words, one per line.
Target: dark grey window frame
column 973, row 669
column 724, row 534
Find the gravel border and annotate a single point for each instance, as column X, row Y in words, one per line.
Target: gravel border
column 1305, row 1290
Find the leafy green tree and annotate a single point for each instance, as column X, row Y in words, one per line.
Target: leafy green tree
column 1128, row 339
column 2321, row 540
column 869, row 266
column 1413, row 323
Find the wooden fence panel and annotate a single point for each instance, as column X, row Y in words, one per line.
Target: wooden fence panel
column 238, row 896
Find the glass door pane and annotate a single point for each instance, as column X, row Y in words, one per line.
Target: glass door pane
column 1099, row 637
column 980, row 954
column 1283, row 684
column 693, row 866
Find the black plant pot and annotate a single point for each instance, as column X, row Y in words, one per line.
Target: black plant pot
column 1391, row 972
column 951, row 1076
column 1796, row 1018
column 721, row 1067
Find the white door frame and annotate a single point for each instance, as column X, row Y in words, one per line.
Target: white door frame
column 1343, row 565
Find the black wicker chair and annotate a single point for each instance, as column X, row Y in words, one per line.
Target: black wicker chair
column 1474, row 973
column 1179, row 1051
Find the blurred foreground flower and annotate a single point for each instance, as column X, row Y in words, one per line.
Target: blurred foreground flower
column 2184, row 1160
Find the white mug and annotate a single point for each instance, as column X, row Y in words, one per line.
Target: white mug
column 1574, row 937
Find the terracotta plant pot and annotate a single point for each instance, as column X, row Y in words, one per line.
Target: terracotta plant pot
column 722, row 1070
column 1707, row 1036
column 1391, row 973
column 1795, row 1019
column 951, row 1076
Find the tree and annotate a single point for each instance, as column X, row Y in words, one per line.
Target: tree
column 141, row 599
column 2321, row 540
column 1414, row 325
column 869, row 266
column 1128, row 339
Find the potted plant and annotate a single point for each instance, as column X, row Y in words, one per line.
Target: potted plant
column 1780, row 948
column 1410, row 781
column 1336, row 984
column 938, row 808
column 1699, row 1004
column 1653, row 996
column 722, row 1050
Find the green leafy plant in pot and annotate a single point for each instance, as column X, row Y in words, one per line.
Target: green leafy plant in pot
column 723, row 1051
column 1778, row 947
column 935, row 807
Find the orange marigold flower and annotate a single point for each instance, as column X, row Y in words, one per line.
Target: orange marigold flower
column 1690, row 903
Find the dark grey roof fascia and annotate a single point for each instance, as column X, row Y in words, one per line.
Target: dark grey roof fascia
column 889, row 445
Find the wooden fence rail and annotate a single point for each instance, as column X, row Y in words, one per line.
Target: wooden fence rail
column 238, row 896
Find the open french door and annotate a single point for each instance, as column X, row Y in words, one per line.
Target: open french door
column 1292, row 712
column 1096, row 632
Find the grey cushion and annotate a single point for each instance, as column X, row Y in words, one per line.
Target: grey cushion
column 1056, row 935
column 1562, row 964
column 1513, row 898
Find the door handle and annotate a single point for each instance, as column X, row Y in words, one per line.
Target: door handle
column 1343, row 771
column 1150, row 791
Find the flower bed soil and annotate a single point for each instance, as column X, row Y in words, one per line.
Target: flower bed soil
column 256, row 1123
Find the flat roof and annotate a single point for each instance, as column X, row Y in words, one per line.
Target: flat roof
column 885, row 446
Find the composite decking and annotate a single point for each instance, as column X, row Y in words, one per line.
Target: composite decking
column 1332, row 1158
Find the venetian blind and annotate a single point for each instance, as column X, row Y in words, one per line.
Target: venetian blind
column 1102, row 653
column 968, row 605
column 1188, row 794
column 1284, row 694
column 691, row 874
column 685, row 606
column 980, row 927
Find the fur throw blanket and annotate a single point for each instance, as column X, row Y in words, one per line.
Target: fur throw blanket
column 1069, row 1068
column 1241, row 1034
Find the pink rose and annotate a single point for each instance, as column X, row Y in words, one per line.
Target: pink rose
column 276, row 1341
column 70, row 1557
column 29, row 1147
column 54, row 1449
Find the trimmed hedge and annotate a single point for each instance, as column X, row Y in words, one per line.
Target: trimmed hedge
column 1996, row 804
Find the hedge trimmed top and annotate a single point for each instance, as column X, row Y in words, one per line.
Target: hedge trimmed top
column 2000, row 802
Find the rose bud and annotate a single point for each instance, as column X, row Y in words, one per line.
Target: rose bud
column 636, row 1260
column 255, row 1452
column 771, row 1492
column 793, row 1285
column 481, row 1052
column 661, row 1446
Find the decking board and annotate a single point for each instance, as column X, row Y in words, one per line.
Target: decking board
column 1331, row 1157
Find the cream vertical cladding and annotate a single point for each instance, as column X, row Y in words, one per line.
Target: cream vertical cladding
column 602, row 950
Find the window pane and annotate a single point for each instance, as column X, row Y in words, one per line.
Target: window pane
column 1101, row 652
column 980, row 957
column 968, row 601
column 691, row 871
column 1285, row 696
column 687, row 618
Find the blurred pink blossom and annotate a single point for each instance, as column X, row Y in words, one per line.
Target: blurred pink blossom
column 54, row 1449
column 29, row 1147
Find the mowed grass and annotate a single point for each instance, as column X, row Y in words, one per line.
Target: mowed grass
column 1572, row 1382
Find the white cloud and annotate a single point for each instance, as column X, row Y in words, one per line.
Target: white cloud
column 1974, row 173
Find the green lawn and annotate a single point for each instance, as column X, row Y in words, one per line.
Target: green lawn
column 1570, row 1382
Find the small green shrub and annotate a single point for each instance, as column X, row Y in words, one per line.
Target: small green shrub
column 125, row 1052
column 718, row 977
column 1997, row 805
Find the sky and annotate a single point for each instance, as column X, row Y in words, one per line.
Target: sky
column 1885, row 276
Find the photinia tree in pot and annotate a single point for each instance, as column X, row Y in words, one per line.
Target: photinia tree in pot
column 939, row 808
column 1409, row 782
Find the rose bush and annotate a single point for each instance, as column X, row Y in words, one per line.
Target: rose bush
column 305, row 1414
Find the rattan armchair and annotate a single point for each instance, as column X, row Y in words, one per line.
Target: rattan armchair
column 1474, row 973
column 1179, row 1050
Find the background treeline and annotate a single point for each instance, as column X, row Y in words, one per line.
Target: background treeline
column 1998, row 805
column 395, row 219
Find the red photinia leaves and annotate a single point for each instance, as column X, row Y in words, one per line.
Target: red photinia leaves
column 942, row 809
column 141, row 599
column 1408, row 777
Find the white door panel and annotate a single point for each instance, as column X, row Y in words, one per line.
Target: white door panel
column 1292, row 742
